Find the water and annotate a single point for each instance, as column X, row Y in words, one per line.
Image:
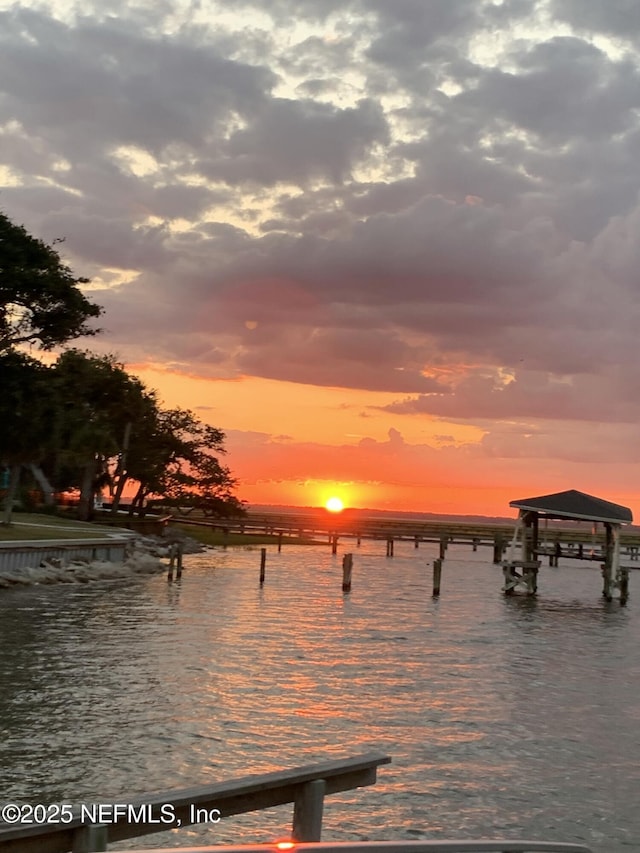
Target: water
column 504, row 716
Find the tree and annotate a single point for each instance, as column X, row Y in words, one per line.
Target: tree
column 97, row 401
column 26, row 413
column 175, row 461
column 40, row 300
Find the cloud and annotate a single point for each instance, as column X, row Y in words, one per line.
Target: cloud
column 425, row 199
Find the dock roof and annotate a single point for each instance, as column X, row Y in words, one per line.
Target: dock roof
column 575, row 505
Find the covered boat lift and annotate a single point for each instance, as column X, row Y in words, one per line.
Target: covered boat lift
column 570, row 505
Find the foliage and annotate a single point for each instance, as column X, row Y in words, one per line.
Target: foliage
column 176, row 464
column 88, row 423
column 40, row 300
column 26, row 410
column 96, row 400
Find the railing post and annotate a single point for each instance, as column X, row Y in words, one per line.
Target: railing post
column 91, row 838
column 307, row 811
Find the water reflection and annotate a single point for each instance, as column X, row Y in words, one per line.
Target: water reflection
column 504, row 715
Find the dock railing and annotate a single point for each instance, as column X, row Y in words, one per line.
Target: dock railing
column 88, row 828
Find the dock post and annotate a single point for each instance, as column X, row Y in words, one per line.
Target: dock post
column 263, row 561
column 358, row 539
column 307, row 811
column 624, row 585
column 389, row 547
column 279, row 541
column 416, row 541
column 91, row 838
column 475, row 543
column 606, row 581
column 444, row 541
column 347, row 566
column 437, row 575
column 178, row 560
column 498, row 548
column 172, row 560
column 334, row 543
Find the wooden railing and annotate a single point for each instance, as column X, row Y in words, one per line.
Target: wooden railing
column 89, row 827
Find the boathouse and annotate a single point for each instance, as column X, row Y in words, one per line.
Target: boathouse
column 570, row 505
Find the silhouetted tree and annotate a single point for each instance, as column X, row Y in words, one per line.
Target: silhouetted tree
column 40, row 301
column 27, row 410
column 97, row 400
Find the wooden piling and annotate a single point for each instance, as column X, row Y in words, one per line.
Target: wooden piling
column 90, row 838
column 172, row 561
column 263, row 562
column 437, row 575
column 334, row 543
column 179, row 549
column 624, row 585
column 416, row 541
column 444, row 541
column 498, row 548
column 307, row 811
column 347, row 567
column 279, row 541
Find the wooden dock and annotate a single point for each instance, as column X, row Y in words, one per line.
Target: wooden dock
column 333, row 527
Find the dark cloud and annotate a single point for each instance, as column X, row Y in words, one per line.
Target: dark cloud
column 615, row 17
column 296, row 141
column 434, row 199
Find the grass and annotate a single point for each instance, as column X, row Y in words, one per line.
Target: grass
column 30, row 526
column 27, row 526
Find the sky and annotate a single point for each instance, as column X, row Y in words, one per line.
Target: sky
column 390, row 247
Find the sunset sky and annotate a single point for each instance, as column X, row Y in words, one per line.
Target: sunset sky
column 390, row 247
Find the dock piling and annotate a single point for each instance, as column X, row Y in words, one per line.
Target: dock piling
column 444, row 544
column 90, row 838
column 263, row 562
column 307, row 811
column 347, row 567
column 437, row 575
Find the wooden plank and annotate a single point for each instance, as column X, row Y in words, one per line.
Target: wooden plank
column 235, row 796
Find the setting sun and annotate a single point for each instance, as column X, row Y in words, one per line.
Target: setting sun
column 334, row 505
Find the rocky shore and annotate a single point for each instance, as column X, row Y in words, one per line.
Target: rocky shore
column 145, row 555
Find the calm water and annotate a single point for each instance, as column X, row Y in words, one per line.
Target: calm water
column 503, row 716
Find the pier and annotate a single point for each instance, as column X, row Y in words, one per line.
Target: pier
column 573, row 506
column 332, row 528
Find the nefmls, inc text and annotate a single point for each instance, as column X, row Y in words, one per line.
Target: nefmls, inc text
column 163, row 814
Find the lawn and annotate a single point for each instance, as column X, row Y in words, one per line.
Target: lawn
column 33, row 526
column 27, row 526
